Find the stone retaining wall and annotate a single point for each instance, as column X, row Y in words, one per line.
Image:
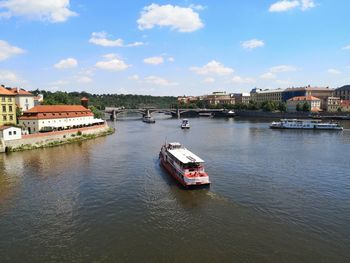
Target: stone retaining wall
column 42, row 139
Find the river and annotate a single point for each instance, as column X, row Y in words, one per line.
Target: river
column 276, row 196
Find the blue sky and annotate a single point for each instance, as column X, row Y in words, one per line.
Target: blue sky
column 173, row 47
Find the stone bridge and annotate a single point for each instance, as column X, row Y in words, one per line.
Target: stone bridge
column 176, row 113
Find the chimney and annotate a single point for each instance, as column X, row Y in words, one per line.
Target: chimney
column 85, row 102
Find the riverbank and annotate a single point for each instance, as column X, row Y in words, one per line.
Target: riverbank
column 51, row 139
column 288, row 115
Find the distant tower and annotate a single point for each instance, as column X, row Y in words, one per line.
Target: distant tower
column 85, row 102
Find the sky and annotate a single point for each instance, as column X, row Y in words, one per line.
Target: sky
column 173, row 47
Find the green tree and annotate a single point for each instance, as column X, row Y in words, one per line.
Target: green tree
column 306, row 107
column 268, row 106
column 298, row 107
column 97, row 114
column 282, row 106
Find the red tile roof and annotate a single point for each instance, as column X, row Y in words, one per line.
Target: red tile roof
column 4, row 127
column 57, row 108
column 20, row 91
column 303, row 98
column 4, row 91
column 84, row 98
column 56, row 112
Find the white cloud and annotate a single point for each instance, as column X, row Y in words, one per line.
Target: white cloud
column 9, row 77
column 112, row 63
column 159, row 81
column 134, row 77
column 307, row 4
column 268, row 75
column 135, row 44
column 154, row 60
column 46, row 10
column 253, row 43
column 66, row 63
column 209, row 80
column 283, row 68
column 271, row 74
column 197, row 7
column 84, row 79
column 101, row 39
column 333, row 71
column 240, row 80
column 171, row 59
column 213, row 67
column 182, row 19
column 7, row 51
column 286, row 5
column 346, row 47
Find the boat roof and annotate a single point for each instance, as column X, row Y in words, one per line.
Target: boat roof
column 183, row 155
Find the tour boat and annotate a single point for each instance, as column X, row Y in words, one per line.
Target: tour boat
column 185, row 124
column 148, row 119
column 305, row 124
column 186, row 167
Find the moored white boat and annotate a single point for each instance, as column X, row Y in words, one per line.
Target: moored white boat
column 185, row 124
column 308, row 124
column 183, row 165
column 148, row 119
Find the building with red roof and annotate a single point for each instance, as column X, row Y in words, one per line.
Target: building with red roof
column 24, row 99
column 313, row 102
column 43, row 118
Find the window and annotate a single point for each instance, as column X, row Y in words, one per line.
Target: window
column 3, row 108
column 3, row 99
column 10, row 132
column 9, row 99
column 14, row 132
column 11, row 117
column 4, row 117
column 26, row 100
column 10, row 108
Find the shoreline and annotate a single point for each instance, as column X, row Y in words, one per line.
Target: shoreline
column 53, row 139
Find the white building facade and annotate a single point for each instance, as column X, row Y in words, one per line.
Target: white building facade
column 24, row 99
column 8, row 133
column 45, row 118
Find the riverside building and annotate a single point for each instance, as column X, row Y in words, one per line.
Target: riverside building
column 259, row 96
column 7, row 107
column 44, row 118
column 323, row 93
column 24, row 99
column 343, row 92
column 313, row 102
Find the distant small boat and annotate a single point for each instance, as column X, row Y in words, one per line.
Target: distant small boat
column 185, row 124
column 205, row 114
column 305, row 125
column 231, row 113
column 148, row 119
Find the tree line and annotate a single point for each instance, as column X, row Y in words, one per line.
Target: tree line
column 101, row 101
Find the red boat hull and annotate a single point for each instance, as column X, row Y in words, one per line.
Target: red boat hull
column 174, row 174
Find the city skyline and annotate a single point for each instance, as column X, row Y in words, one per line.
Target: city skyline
column 173, row 47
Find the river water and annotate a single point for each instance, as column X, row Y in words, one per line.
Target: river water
column 276, row 196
